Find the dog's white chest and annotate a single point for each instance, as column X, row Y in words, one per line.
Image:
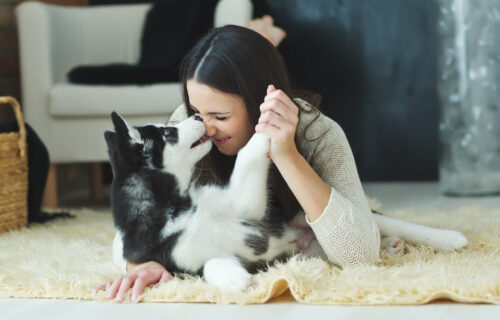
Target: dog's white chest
column 212, row 231
column 205, row 238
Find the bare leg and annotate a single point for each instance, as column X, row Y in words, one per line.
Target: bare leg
column 265, row 26
column 437, row 238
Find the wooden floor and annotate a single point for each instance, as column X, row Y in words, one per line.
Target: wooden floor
column 419, row 196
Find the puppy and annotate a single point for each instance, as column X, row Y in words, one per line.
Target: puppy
column 221, row 233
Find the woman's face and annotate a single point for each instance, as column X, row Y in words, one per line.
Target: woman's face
column 224, row 114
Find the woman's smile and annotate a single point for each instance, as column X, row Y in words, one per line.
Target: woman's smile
column 220, row 142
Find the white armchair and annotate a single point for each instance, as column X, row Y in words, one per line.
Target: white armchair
column 71, row 118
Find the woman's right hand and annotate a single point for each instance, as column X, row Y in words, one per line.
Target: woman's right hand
column 138, row 277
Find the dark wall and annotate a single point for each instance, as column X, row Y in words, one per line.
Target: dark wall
column 374, row 63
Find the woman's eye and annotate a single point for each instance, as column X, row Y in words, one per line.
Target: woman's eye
column 221, row 118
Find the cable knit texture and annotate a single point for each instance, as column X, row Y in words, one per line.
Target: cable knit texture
column 346, row 229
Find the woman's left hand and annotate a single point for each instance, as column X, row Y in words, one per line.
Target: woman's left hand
column 279, row 119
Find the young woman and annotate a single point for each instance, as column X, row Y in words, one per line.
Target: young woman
column 236, row 80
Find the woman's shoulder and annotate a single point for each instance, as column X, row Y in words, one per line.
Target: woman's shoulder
column 320, row 139
column 314, row 125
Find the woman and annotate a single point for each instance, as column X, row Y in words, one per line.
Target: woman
column 237, row 82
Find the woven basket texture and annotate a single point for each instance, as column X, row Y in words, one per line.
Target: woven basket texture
column 13, row 173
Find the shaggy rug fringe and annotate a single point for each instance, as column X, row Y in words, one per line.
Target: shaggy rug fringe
column 68, row 259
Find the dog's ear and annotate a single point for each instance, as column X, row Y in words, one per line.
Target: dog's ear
column 124, row 131
column 110, row 136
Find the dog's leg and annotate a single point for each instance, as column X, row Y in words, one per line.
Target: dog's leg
column 227, row 274
column 118, row 252
column 437, row 238
column 248, row 184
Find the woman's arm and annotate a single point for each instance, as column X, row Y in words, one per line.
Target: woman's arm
column 279, row 119
column 327, row 187
column 311, row 191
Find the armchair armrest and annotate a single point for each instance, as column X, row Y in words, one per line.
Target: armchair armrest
column 35, row 59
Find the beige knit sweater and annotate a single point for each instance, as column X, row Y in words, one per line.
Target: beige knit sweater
column 346, row 229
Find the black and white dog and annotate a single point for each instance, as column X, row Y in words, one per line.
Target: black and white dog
column 223, row 233
column 216, row 232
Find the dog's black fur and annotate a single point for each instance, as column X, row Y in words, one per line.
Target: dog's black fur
column 141, row 241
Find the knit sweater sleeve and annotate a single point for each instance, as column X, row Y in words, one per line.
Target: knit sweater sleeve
column 346, row 229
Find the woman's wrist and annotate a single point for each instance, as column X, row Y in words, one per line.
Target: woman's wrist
column 130, row 266
column 286, row 159
column 136, row 266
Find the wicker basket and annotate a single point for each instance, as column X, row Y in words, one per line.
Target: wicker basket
column 13, row 173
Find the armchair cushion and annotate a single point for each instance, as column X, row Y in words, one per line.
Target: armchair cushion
column 170, row 29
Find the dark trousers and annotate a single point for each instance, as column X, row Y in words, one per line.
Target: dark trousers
column 38, row 168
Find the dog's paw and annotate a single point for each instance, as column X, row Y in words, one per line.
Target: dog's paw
column 392, row 245
column 236, row 280
column 258, row 145
column 227, row 274
column 450, row 240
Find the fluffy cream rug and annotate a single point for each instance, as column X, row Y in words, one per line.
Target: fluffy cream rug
column 69, row 259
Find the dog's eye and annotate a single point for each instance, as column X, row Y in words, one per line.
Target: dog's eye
column 170, row 134
column 166, row 131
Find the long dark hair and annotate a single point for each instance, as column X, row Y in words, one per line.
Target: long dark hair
column 239, row 61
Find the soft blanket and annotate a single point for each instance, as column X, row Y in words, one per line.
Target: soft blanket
column 68, row 259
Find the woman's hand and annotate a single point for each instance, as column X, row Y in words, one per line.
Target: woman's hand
column 265, row 26
column 279, row 119
column 137, row 277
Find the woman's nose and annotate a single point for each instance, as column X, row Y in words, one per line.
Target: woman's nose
column 210, row 129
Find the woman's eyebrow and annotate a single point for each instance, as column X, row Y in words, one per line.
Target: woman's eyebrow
column 211, row 113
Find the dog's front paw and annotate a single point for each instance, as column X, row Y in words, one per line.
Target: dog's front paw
column 450, row 240
column 258, row 145
column 226, row 274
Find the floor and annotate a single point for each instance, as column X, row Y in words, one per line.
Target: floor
column 419, row 196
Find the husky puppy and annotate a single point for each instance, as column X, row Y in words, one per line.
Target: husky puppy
column 222, row 233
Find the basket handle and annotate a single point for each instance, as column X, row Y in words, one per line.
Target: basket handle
column 20, row 122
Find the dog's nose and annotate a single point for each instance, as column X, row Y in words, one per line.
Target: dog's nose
column 197, row 117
